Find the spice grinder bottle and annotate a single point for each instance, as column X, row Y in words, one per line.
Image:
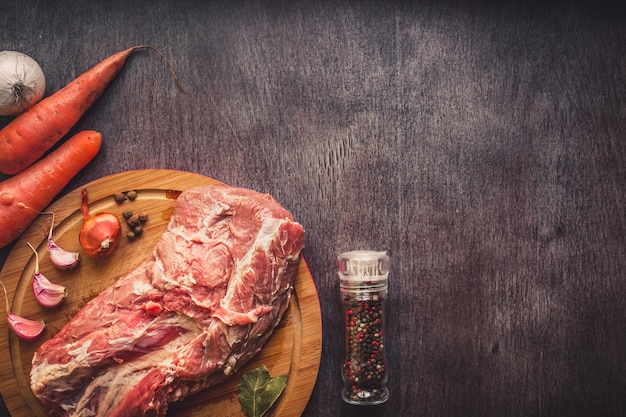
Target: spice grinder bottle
column 363, row 276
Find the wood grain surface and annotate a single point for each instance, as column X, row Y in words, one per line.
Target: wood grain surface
column 481, row 143
column 294, row 348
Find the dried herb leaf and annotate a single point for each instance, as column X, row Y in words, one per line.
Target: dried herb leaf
column 258, row 391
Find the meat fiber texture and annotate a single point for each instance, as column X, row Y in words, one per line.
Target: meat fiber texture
column 218, row 282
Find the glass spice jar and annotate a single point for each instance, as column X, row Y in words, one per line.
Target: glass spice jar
column 363, row 276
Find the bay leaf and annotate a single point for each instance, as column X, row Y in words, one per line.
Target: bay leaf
column 258, row 391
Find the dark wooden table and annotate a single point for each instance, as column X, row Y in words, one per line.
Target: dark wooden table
column 483, row 145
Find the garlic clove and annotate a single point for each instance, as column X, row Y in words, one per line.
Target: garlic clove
column 47, row 293
column 61, row 258
column 25, row 328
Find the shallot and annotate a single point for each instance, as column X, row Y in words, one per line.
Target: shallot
column 22, row 82
column 23, row 327
column 61, row 258
column 47, row 293
column 100, row 233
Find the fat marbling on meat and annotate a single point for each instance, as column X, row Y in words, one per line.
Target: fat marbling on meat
column 217, row 284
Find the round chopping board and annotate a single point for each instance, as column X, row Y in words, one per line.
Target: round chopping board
column 293, row 349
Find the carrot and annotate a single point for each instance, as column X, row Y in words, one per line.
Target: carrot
column 24, row 196
column 27, row 137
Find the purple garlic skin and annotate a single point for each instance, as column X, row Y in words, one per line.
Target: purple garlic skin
column 61, row 258
column 25, row 328
column 47, row 293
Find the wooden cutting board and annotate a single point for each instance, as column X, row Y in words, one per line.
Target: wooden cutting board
column 293, row 349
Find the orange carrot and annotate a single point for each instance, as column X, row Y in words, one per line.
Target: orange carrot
column 24, row 196
column 33, row 132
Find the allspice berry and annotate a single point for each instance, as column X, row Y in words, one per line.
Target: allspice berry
column 133, row 221
column 119, row 197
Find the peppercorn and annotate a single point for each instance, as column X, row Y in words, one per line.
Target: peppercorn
column 138, row 230
column 130, row 235
column 143, row 217
column 127, row 214
column 131, row 195
column 364, row 368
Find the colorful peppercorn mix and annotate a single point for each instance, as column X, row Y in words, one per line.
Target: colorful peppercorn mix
column 364, row 366
column 363, row 283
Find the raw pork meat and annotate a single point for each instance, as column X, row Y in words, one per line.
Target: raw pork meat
column 217, row 284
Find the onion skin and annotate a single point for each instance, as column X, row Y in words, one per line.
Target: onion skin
column 22, row 82
column 101, row 233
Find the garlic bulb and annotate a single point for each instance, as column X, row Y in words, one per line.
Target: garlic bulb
column 22, row 82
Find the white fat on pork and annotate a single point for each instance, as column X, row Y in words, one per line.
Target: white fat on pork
column 216, row 286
